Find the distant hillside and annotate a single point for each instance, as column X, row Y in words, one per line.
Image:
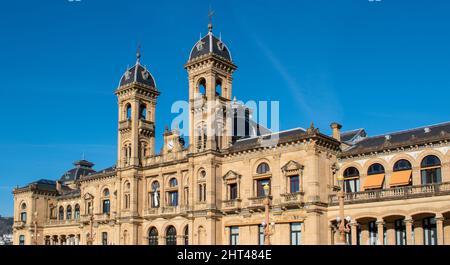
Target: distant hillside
column 6, row 224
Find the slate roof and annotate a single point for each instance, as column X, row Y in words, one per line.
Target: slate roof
column 425, row 134
column 82, row 168
column 209, row 44
column 137, row 74
column 255, row 142
column 349, row 136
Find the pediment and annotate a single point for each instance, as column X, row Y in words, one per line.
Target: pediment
column 88, row 196
column 292, row 166
column 231, row 175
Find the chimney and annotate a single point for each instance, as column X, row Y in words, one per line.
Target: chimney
column 58, row 186
column 336, row 127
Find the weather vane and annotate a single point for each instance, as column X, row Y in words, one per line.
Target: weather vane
column 210, row 15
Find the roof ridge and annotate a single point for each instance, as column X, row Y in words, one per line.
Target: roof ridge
column 409, row 130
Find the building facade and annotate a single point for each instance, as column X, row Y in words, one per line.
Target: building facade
column 210, row 190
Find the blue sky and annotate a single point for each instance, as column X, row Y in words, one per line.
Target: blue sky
column 383, row 66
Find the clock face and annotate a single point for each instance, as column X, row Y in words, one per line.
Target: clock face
column 170, row 144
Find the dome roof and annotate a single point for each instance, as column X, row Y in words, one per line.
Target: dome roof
column 82, row 168
column 210, row 45
column 137, row 74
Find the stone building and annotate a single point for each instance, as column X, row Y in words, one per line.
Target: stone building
column 211, row 189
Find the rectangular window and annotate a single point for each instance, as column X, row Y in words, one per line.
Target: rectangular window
column 260, row 187
column 351, row 185
column 294, row 184
column 234, row 235
column 89, row 208
column 23, row 217
column 173, row 198
column 104, row 238
column 296, row 233
column 400, row 232
column 106, row 206
column 431, row 176
column 261, row 235
column 429, row 231
column 22, row 240
column 200, row 192
column 233, row 191
column 373, row 233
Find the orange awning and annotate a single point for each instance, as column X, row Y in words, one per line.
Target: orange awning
column 401, row 178
column 374, row 181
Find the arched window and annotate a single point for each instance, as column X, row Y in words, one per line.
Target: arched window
column 126, row 195
column 351, row 180
column 431, row 170
column 125, row 237
column 263, row 168
column 61, row 213
column 171, row 236
column 69, row 212
column 106, row 203
column 23, row 212
column 375, row 169
column 128, row 109
column 219, row 87
column 173, row 183
column 202, row 87
column 205, row 135
column 186, row 235
column 143, row 112
column 153, row 237
column 155, row 195
column 402, row 164
column 199, row 137
column 77, row 212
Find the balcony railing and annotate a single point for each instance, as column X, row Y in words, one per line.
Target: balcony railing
column 146, row 125
column 257, row 202
column 19, row 224
column 125, row 125
column 231, row 205
column 151, row 212
column 62, row 222
column 292, row 199
column 398, row 193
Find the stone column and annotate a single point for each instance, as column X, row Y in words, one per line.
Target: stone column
column 440, row 229
column 354, row 228
column 330, row 234
column 418, row 232
column 408, row 223
column 364, row 234
column 390, row 234
column 380, row 232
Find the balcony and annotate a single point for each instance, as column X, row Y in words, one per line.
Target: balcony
column 169, row 210
column 399, row 193
column 256, row 203
column 125, row 125
column 231, row 206
column 151, row 213
column 146, row 127
column 55, row 222
column 19, row 225
column 103, row 218
column 292, row 200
